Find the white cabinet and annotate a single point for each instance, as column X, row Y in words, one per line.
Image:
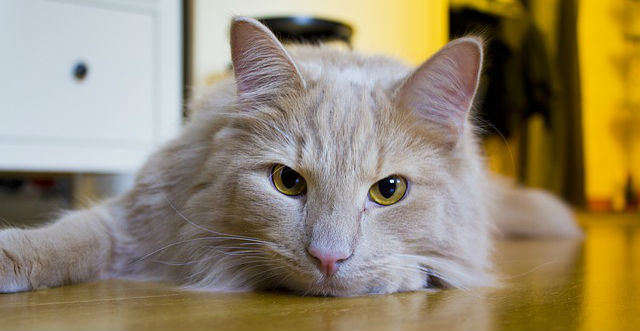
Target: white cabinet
column 88, row 86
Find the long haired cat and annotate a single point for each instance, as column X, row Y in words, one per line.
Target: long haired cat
column 316, row 170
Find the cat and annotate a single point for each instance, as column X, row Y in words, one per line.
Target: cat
column 314, row 170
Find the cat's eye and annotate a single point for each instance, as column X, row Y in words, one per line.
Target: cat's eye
column 287, row 180
column 388, row 190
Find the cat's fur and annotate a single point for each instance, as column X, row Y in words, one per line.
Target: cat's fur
column 204, row 213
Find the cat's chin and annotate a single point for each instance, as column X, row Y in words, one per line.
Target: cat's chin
column 340, row 287
column 338, row 291
column 331, row 287
column 331, row 291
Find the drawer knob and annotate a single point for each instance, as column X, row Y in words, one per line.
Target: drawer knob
column 80, row 70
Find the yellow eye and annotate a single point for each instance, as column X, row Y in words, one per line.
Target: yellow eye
column 287, row 181
column 388, row 191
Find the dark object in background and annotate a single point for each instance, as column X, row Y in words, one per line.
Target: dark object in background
column 30, row 199
column 297, row 29
column 523, row 78
column 517, row 79
column 80, row 70
column 11, row 185
column 42, row 186
column 630, row 195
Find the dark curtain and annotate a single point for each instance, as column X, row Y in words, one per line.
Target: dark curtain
column 563, row 124
column 522, row 80
column 569, row 132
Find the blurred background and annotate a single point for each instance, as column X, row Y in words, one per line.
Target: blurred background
column 89, row 88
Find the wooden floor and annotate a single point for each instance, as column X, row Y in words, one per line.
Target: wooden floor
column 547, row 285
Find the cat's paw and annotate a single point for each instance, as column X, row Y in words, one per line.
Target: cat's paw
column 13, row 276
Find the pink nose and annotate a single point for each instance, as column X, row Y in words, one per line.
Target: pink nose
column 327, row 259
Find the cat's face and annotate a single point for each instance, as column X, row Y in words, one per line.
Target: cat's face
column 347, row 186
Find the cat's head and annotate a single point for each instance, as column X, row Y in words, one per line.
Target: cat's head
column 345, row 174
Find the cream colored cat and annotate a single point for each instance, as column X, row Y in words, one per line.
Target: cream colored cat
column 316, row 170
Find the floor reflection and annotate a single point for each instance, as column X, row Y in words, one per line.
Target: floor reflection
column 612, row 277
column 542, row 287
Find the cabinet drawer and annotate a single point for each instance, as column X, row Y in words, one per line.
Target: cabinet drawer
column 43, row 41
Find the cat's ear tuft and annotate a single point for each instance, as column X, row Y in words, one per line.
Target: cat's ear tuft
column 442, row 89
column 262, row 67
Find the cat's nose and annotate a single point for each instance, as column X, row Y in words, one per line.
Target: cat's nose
column 328, row 260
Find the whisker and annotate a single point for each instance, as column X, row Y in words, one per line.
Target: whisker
column 209, row 230
column 219, row 236
column 268, row 269
column 504, row 140
column 530, row 270
column 168, row 246
column 453, row 278
column 178, row 264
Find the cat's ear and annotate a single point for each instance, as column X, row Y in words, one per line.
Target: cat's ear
column 442, row 89
column 263, row 68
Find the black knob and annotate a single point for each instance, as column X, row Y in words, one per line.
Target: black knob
column 80, row 70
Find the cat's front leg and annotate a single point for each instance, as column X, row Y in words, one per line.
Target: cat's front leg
column 74, row 249
column 13, row 276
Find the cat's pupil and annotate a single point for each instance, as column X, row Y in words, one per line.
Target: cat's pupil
column 289, row 177
column 387, row 187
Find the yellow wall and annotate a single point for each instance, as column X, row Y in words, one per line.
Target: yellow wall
column 409, row 29
column 602, row 46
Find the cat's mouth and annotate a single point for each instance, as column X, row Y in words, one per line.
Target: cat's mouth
column 433, row 279
column 332, row 287
column 434, row 282
column 339, row 287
